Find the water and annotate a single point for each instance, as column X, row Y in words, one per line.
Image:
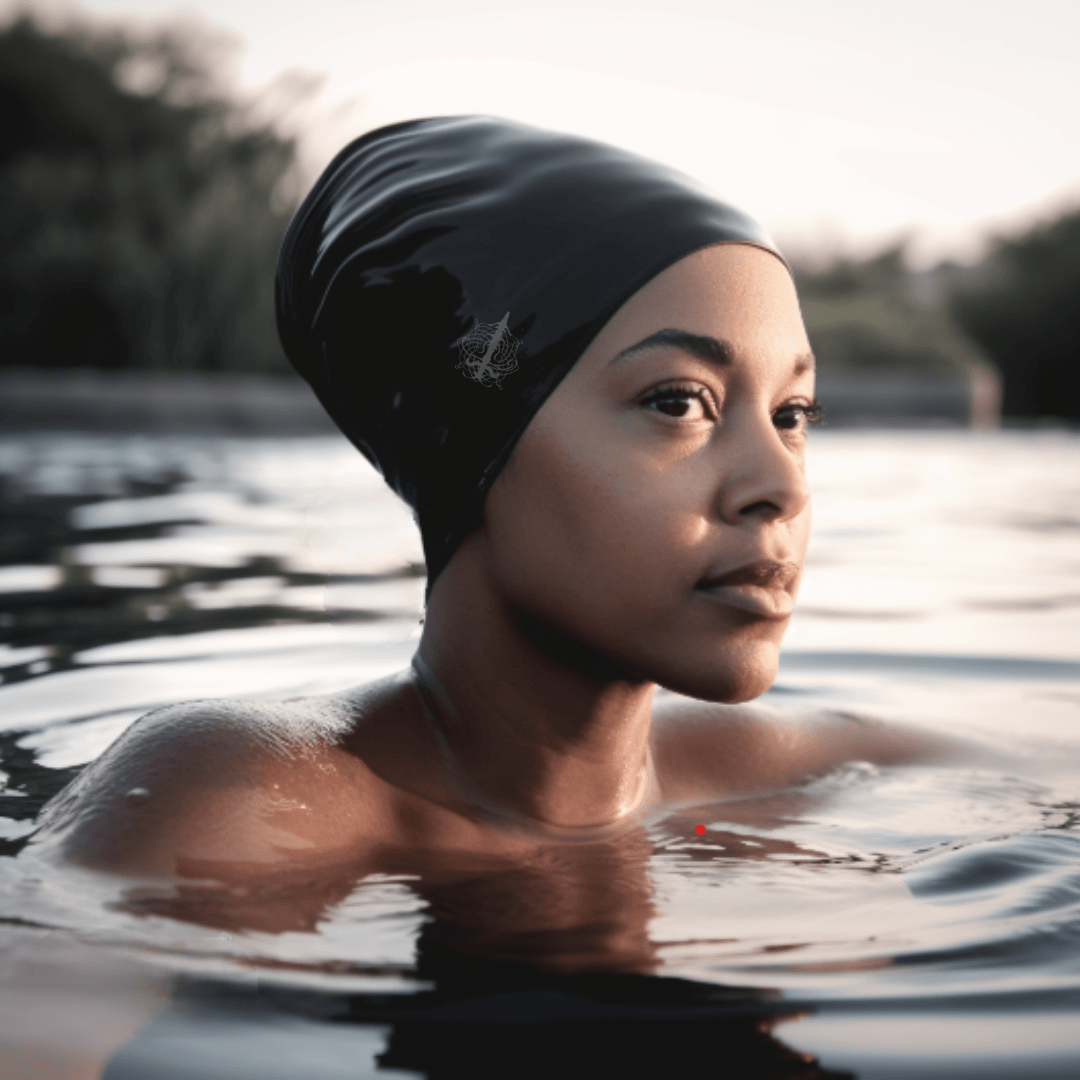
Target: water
column 878, row 922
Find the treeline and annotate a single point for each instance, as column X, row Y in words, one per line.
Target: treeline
column 1018, row 311
column 1022, row 305
column 141, row 207
column 875, row 315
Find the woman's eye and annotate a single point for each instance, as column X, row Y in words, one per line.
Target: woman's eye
column 791, row 417
column 683, row 403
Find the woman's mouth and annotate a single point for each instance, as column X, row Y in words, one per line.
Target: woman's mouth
column 763, row 588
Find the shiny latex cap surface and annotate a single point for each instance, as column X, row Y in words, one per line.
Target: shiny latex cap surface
column 443, row 275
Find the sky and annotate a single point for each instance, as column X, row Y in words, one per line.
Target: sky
column 844, row 125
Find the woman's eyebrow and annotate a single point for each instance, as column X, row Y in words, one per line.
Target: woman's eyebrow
column 710, row 349
column 700, row 345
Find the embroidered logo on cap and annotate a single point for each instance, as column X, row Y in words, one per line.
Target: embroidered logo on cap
column 489, row 352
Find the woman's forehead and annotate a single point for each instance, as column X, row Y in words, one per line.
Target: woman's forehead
column 714, row 305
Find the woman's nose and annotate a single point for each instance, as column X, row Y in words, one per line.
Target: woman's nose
column 764, row 477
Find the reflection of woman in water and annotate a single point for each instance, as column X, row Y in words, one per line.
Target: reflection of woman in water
column 591, row 381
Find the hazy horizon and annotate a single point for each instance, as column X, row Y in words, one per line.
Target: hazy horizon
column 842, row 125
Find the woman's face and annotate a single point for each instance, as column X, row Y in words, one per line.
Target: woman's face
column 656, row 508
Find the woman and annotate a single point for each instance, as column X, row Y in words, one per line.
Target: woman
column 591, row 381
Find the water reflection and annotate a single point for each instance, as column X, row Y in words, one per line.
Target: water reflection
column 25, row 787
column 535, row 967
column 581, row 908
column 604, row 1026
column 88, row 597
column 138, row 573
column 568, row 908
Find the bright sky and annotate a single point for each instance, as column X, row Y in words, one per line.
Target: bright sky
column 842, row 122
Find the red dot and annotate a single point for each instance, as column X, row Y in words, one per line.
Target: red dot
column 699, row 829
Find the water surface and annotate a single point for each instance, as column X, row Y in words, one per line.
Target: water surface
column 916, row 921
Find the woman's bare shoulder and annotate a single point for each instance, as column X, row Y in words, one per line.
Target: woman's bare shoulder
column 705, row 749
column 214, row 742
column 213, row 779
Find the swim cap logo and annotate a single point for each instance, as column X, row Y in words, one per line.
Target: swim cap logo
column 489, row 353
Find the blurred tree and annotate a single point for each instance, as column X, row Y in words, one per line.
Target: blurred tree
column 1023, row 307
column 141, row 207
column 863, row 315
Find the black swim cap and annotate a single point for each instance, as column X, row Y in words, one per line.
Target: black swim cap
column 444, row 275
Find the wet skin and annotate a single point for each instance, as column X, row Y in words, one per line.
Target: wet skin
column 649, row 530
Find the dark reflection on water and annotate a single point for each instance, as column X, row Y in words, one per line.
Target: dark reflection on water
column 534, row 969
column 79, row 613
column 29, row 787
column 526, row 1026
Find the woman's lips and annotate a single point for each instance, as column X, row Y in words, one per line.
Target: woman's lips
column 763, row 588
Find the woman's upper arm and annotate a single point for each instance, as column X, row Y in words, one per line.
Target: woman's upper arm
column 722, row 750
column 180, row 782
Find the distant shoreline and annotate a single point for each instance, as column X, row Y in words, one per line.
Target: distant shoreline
column 141, row 402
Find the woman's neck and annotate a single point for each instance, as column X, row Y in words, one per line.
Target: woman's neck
column 528, row 726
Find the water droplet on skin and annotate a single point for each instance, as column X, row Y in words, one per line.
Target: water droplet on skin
column 137, row 796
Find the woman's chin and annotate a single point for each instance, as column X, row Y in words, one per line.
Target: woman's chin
column 740, row 674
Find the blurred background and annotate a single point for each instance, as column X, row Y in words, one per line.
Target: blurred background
column 919, row 162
